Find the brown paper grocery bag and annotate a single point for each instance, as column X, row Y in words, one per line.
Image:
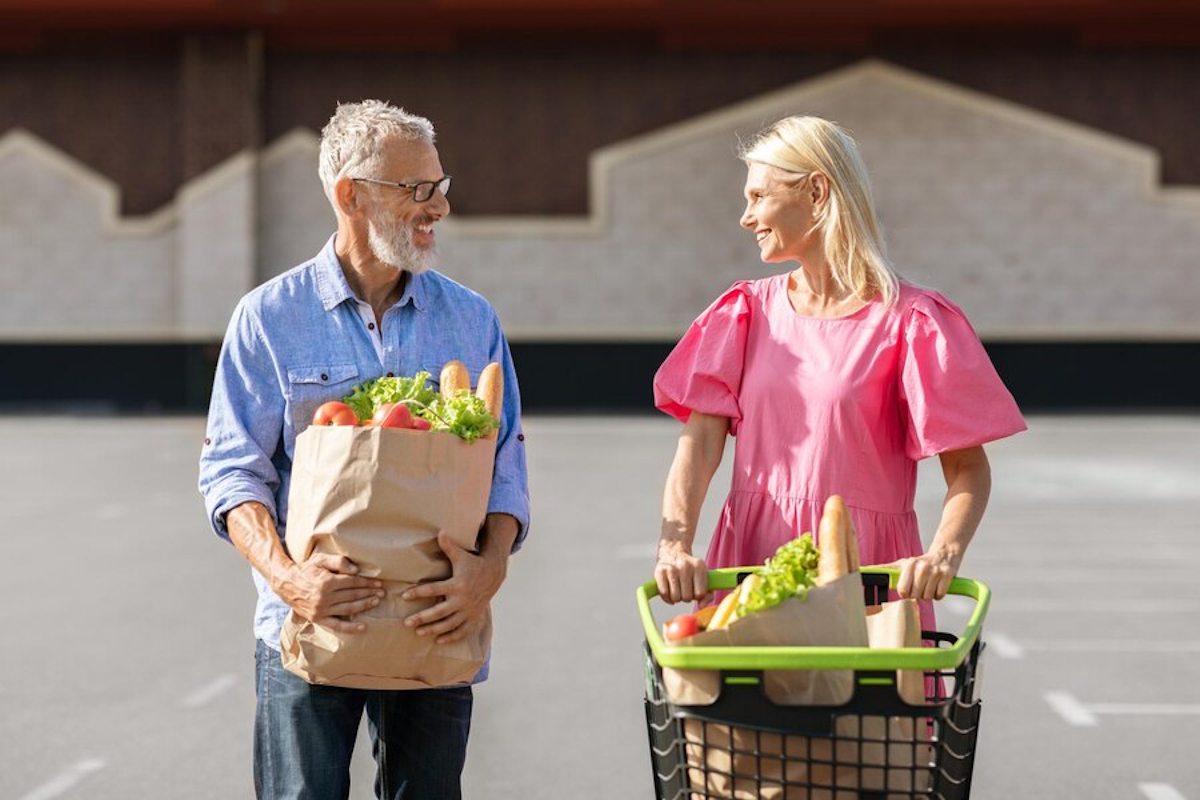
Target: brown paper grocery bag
column 898, row 758
column 736, row 763
column 898, row 624
column 380, row 496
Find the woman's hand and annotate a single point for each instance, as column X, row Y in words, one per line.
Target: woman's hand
column 927, row 576
column 681, row 577
column 968, row 485
column 679, row 574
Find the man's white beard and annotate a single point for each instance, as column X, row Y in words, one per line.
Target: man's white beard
column 391, row 242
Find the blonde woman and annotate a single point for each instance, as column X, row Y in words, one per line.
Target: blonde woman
column 835, row 377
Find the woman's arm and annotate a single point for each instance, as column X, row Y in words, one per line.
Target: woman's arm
column 679, row 574
column 968, row 485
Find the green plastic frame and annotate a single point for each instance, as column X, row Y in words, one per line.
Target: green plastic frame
column 858, row 658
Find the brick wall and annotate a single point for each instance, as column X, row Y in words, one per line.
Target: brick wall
column 151, row 114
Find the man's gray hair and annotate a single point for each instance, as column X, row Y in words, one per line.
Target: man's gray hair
column 353, row 138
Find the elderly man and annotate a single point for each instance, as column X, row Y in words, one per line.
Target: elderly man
column 367, row 305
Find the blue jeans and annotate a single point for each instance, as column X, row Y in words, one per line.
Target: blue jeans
column 304, row 735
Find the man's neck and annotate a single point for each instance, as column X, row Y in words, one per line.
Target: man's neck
column 372, row 281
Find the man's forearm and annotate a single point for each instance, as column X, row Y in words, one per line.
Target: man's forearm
column 499, row 533
column 252, row 531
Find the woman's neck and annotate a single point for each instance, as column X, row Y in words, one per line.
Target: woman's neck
column 814, row 292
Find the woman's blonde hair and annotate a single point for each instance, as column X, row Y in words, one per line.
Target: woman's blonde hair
column 854, row 244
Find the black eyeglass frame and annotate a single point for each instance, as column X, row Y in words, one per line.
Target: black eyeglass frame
column 442, row 184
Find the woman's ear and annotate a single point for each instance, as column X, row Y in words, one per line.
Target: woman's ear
column 818, row 192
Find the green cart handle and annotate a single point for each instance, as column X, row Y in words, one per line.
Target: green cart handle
column 793, row 658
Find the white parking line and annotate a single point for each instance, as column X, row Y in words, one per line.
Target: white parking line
column 1071, row 709
column 1088, row 714
column 1160, row 791
column 1003, row 646
column 66, row 780
column 208, row 692
column 1006, row 647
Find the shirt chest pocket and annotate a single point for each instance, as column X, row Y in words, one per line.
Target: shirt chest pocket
column 310, row 386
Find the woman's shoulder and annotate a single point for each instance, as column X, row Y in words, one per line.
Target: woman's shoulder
column 925, row 301
column 754, row 292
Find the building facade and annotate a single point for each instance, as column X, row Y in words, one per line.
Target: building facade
column 1036, row 162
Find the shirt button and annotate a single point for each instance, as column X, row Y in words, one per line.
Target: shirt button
column 371, row 326
column 520, row 437
column 324, row 377
column 207, row 440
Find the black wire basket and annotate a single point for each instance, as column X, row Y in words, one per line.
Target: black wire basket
column 873, row 746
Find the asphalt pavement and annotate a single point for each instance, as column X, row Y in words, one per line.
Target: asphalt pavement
column 127, row 658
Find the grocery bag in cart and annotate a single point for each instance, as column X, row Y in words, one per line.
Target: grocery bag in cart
column 895, row 721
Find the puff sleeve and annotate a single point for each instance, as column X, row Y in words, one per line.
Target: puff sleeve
column 949, row 389
column 704, row 371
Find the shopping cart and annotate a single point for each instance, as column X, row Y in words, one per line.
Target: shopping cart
column 872, row 747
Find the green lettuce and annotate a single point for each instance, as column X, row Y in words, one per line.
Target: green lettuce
column 791, row 572
column 464, row 415
column 366, row 398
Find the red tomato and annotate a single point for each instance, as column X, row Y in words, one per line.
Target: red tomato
column 681, row 627
column 335, row 413
column 393, row 415
column 421, row 424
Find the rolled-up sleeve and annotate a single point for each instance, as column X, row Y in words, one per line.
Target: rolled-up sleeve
column 510, row 482
column 245, row 421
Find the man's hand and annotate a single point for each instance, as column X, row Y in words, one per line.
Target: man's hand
column 464, row 597
column 324, row 589
column 327, row 590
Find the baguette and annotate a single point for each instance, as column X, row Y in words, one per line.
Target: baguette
column 910, row 683
column 490, row 388
column 454, row 378
column 898, row 624
column 749, row 583
column 724, row 613
column 851, row 542
column 838, row 542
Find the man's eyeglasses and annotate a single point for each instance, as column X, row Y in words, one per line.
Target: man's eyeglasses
column 421, row 190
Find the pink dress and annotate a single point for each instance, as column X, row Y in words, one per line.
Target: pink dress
column 832, row 406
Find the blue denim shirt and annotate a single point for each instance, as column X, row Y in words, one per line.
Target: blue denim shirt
column 298, row 341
